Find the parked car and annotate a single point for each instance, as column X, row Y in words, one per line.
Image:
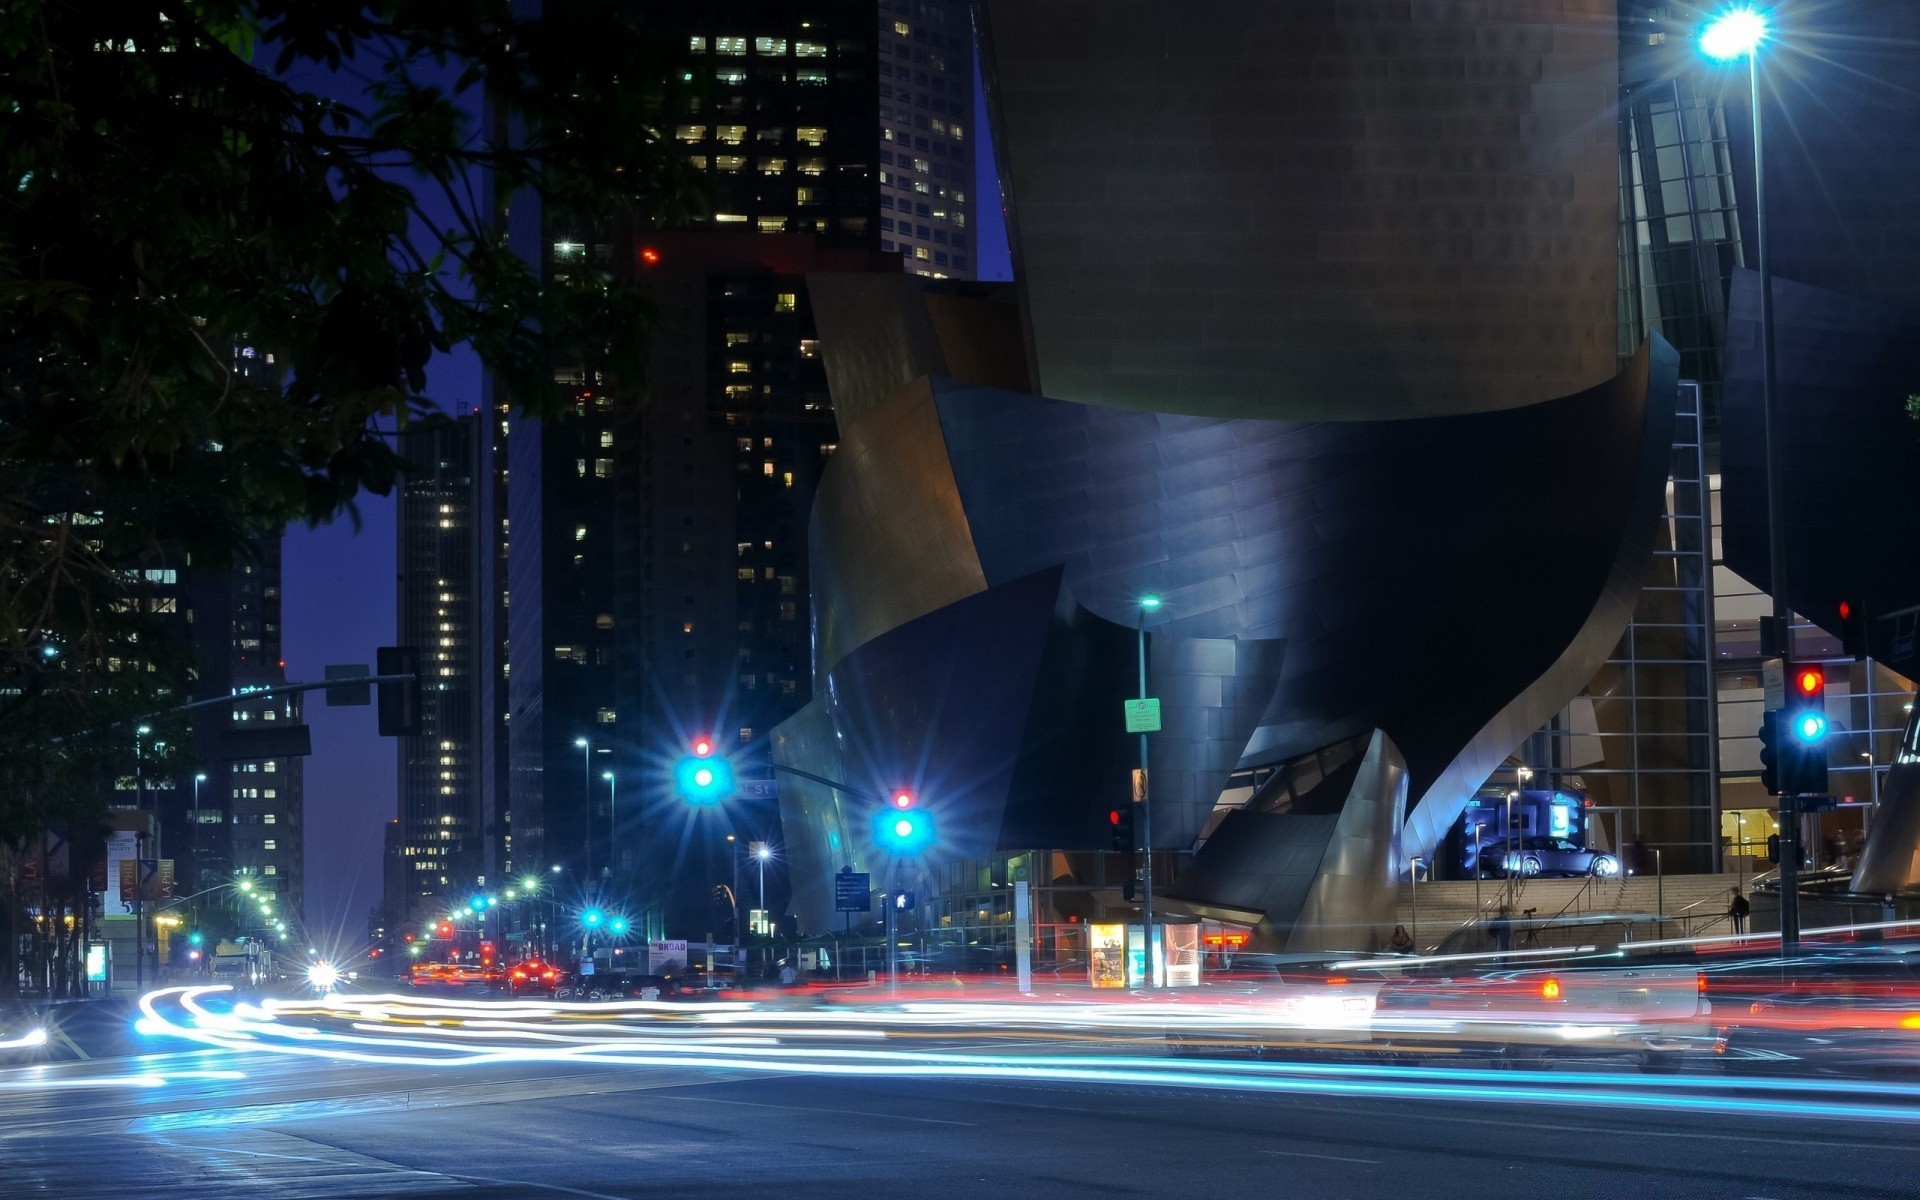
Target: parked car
column 1539, row 856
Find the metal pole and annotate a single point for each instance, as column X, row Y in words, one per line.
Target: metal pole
column 586, row 778
column 1478, row 868
column 1776, row 504
column 1660, row 890
column 1146, row 824
column 139, row 908
column 893, row 965
column 1413, row 873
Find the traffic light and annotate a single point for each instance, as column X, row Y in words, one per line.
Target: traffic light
column 617, row 927
column 399, row 700
column 1770, row 752
column 1853, row 631
column 1120, row 829
column 903, row 901
column 1803, row 748
column 195, row 939
column 592, row 917
column 1773, row 847
column 899, row 827
column 703, row 777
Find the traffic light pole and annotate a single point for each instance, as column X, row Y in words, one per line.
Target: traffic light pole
column 1146, row 825
column 893, row 961
column 1776, row 512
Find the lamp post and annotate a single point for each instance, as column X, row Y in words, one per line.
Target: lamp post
column 585, row 747
column 613, row 814
column 1148, row 603
column 1479, row 867
column 1739, row 33
column 1414, row 866
column 139, row 840
column 761, row 853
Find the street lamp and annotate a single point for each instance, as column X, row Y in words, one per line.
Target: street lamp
column 761, row 853
column 1735, row 34
column 1479, row 866
column 1148, row 603
column 139, row 892
column 613, row 814
column 586, row 777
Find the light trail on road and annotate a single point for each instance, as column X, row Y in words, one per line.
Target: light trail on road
column 448, row 1034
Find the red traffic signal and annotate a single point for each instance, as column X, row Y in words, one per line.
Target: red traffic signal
column 1810, row 681
column 902, row 799
column 702, row 746
column 650, row 256
column 1113, row 816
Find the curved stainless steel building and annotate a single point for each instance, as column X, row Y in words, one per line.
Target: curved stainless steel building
column 1344, row 396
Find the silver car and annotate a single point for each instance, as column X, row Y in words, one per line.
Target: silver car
column 1537, row 856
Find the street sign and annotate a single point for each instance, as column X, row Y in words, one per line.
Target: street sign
column 852, row 891
column 757, row 789
column 1143, row 716
column 1773, row 673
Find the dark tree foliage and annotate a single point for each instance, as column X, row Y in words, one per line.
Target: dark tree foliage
column 169, row 199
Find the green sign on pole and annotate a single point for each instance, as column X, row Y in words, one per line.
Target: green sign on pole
column 1143, row 716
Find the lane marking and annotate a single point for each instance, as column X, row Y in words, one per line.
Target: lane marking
column 1372, row 1162
column 844, row 1112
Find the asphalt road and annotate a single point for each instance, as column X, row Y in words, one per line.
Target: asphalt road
column 263, row 1127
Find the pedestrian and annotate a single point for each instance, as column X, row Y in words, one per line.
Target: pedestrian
column 1402, row 941
column 1739, row 910
column 1638, row 856
column 787, row 974
column 1502, row 929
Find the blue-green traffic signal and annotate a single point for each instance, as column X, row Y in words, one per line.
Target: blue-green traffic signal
column 900, row 828
column 617, row 926
column 703, row 777
column 592, row 917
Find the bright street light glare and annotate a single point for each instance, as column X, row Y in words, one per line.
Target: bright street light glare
column 1150, row 602
column 1733, row 34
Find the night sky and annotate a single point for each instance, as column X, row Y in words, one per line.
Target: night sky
column 339, row 592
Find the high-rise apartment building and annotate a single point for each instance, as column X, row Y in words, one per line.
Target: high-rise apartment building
column 655, row 545
column 852, row 121
column 240, row 809
column 444, row 550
